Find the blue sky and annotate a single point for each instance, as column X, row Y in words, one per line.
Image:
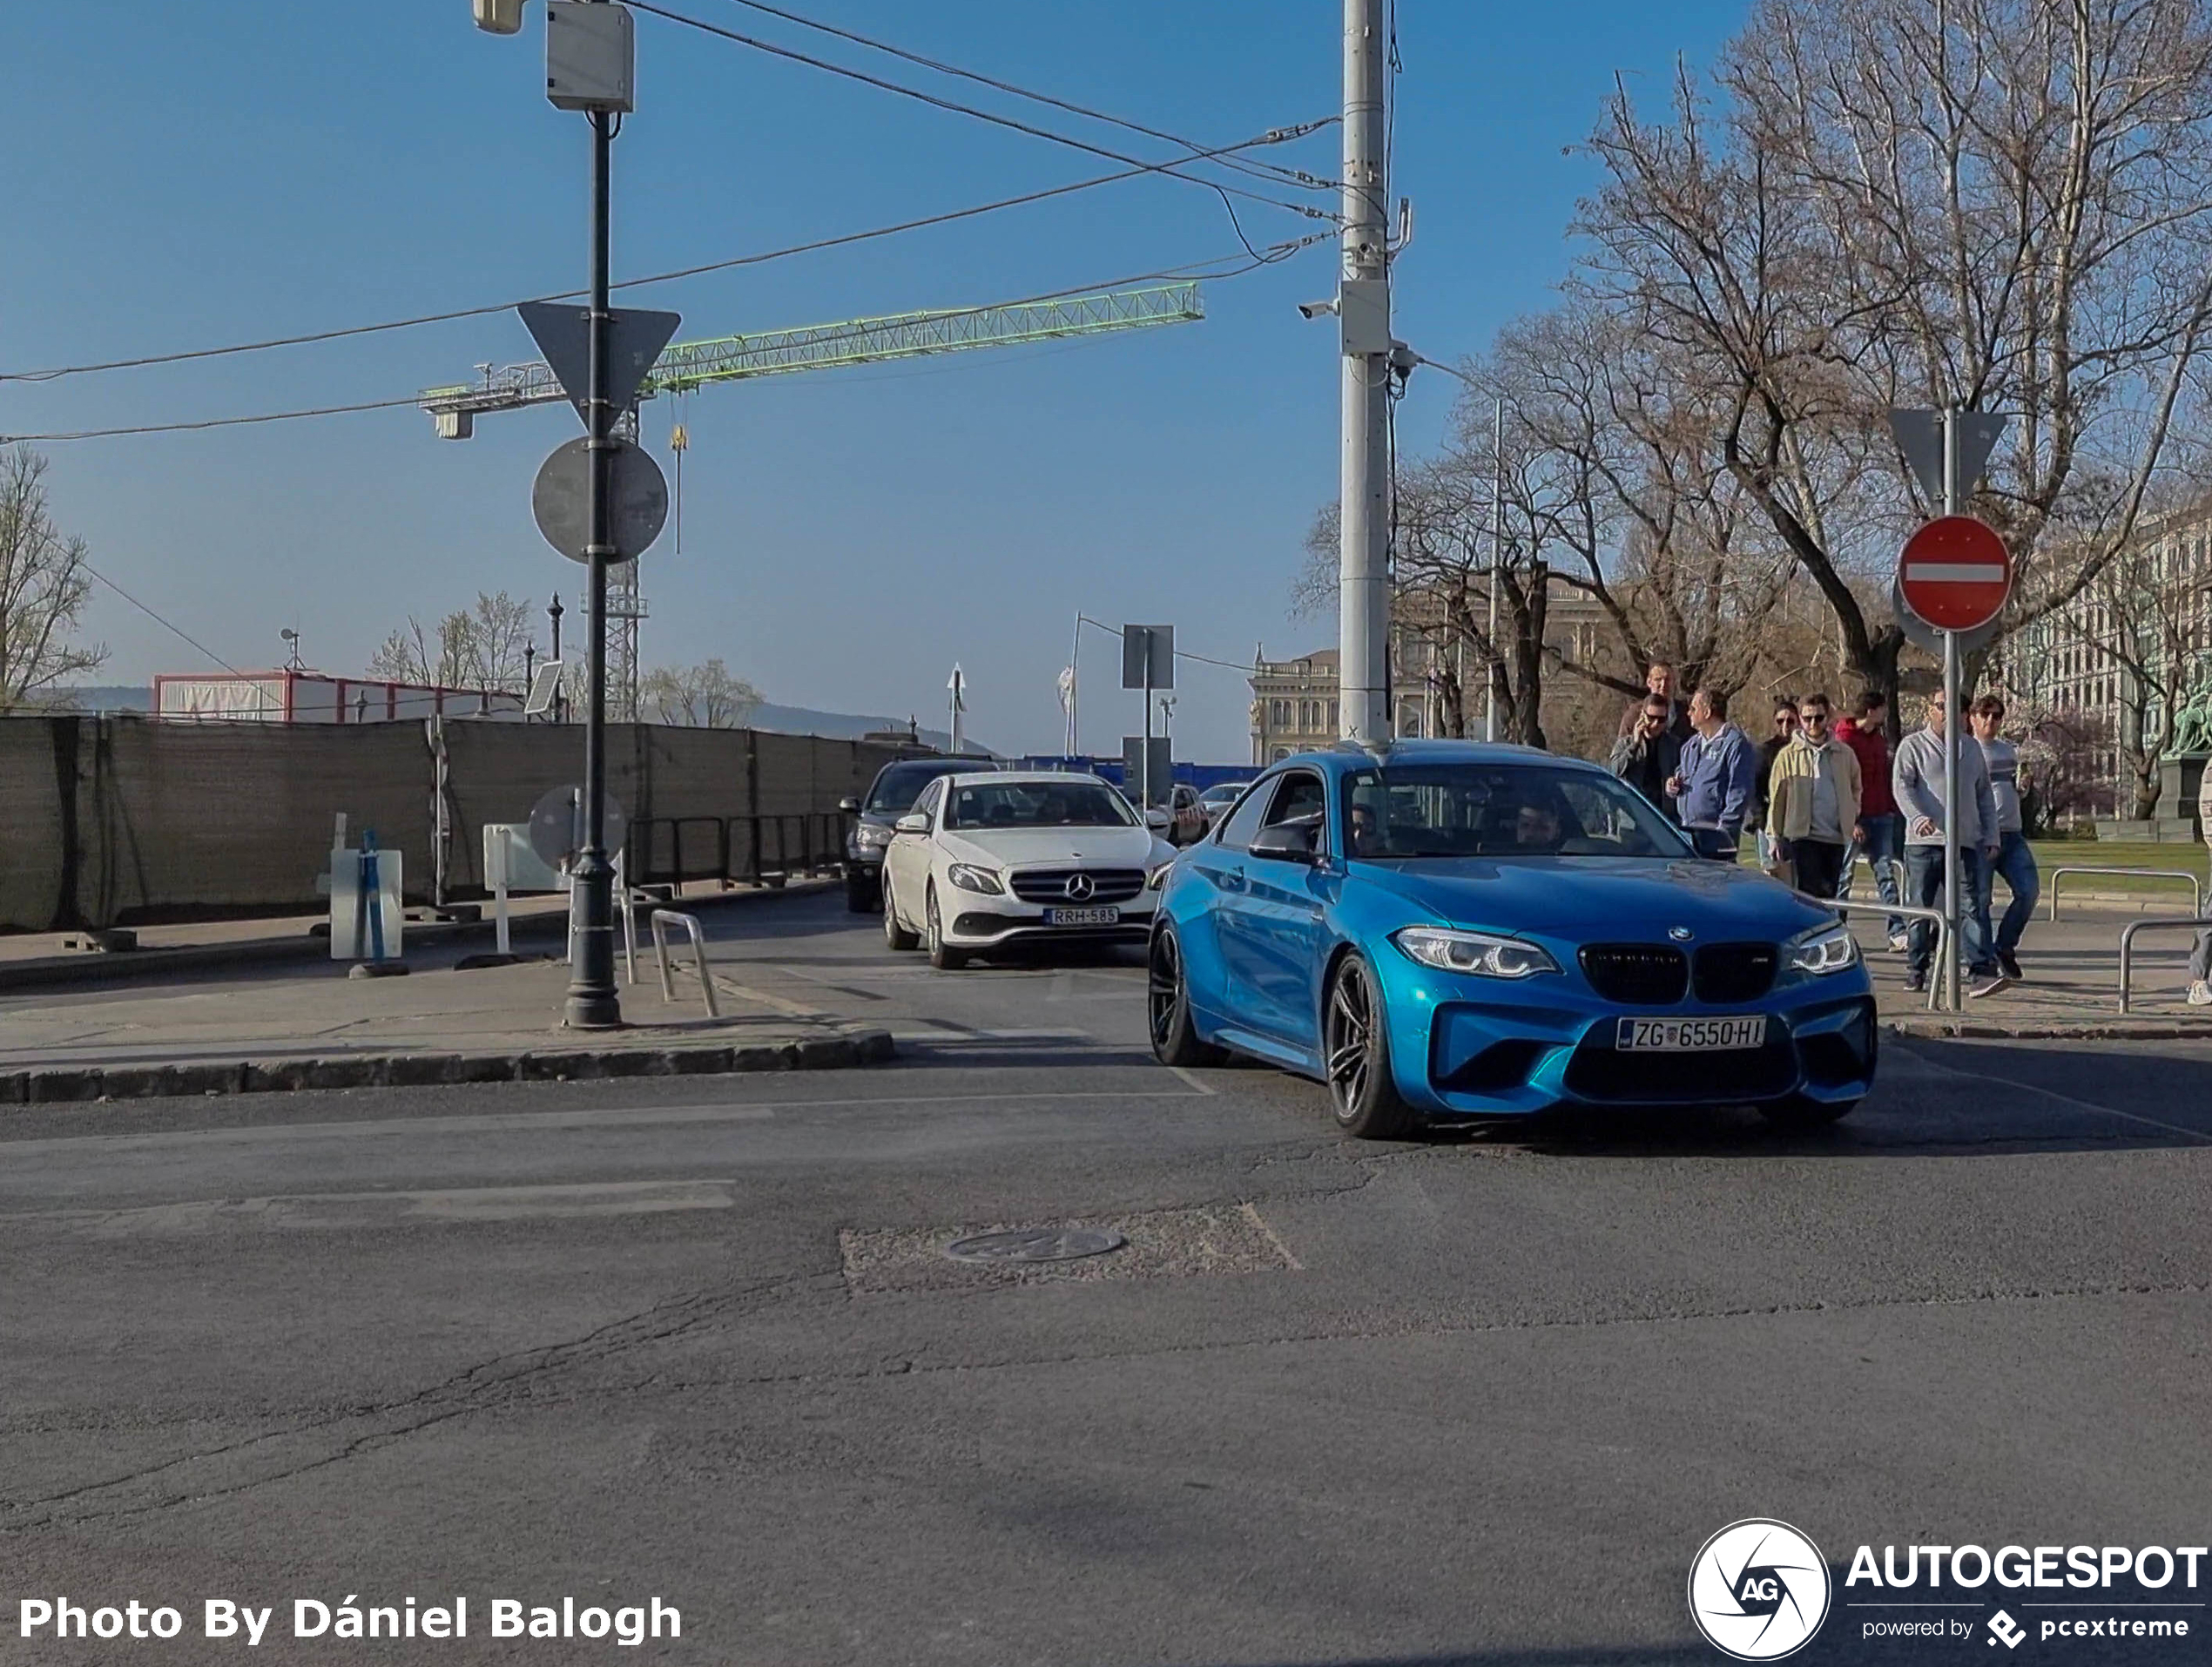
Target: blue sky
column 210, row 174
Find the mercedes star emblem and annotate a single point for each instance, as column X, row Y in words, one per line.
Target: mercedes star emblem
column 1080, row 886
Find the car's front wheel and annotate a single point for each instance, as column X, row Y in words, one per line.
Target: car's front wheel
column 894, row 935
column 1167, row 1000
column 943, row 958
column 1355, row 1052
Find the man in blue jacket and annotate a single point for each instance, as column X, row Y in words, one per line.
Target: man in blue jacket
column 1712, row 785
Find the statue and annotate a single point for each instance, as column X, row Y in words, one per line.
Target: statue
column 2193, row 725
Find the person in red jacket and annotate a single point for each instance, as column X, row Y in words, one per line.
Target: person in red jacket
column 1879, row 836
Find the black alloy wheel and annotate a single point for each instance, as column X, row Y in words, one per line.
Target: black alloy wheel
column 1167, row 1005
column 1355, row 1053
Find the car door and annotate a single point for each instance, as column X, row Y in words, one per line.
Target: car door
column 1218, row 863
column 907, row 861
column 1280, row 927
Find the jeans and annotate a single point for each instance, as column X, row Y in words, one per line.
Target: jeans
column 2017, row 863
column 2201, row 959
column 1816, row 862
column 1884, row 845
column 1924, row 887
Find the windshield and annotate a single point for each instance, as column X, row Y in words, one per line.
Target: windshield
column 1500, row 810
column 1221, row 795
column 1037, row 804
column 900, row 785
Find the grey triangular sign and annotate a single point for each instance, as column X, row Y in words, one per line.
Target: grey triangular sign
column 1920, row 437
column 634, row 338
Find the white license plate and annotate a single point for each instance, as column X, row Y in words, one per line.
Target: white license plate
column 1082, row 917
column 1689, row 1035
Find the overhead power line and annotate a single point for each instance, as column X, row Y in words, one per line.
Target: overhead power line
column 177, row 631
column 1180, row 653
column 1274, row 136
column 1256, row 169
column 1173, row 168
column 1268, row 257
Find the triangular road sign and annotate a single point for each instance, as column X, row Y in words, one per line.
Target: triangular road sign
column 635, row 337
column 1920, row 437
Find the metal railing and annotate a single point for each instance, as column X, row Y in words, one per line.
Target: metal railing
column 1936, row 962
column 2150, row 923
column 661, row 920
column 2196, row 885
column 759, row 850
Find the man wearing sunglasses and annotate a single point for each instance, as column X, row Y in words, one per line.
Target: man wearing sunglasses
column 1814, row 801
column 1785, row 730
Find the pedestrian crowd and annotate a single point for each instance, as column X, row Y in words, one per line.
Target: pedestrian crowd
column 1821, row 792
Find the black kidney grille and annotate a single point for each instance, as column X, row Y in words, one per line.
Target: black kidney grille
column 1637, row 974
column 1050, row 885
column 1727, row 973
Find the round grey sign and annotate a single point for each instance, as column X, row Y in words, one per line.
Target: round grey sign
column 557, row 827
column 639, row 510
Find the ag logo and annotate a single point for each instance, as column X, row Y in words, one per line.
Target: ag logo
column 1758, row 1589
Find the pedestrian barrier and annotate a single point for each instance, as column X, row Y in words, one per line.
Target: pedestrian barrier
column 2150, row 923
column 764, row 850
column 661, row 919
column 1911, row 912
column 2196, row 886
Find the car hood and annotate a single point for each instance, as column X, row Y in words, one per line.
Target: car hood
column 1107, row 847
column 1598, row 898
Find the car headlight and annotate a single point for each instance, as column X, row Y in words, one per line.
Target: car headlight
column 968, row 877
column 1827, row 949
column 871, row 836
column 1158, row 878
column 1481, row 953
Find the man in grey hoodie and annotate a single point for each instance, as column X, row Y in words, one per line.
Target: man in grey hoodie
column 1917, row 778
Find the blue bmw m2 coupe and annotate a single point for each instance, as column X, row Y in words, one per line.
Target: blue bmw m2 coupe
column 1445, row 929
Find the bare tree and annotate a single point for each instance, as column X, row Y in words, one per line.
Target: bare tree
column 704, row 696
column 44, row 587
column 1999, row 205
column 481, row 647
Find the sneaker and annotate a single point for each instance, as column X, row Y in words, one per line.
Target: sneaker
column 1899, row 942
column 2010, row 963
column 1915, row 982
column 1988, row 983
column 2200, row 994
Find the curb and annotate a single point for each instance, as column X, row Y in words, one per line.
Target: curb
column 55, row 972
column 50, row 1087
column 2112, row 1029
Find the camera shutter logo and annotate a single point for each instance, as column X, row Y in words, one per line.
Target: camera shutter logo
column 1758, row 1589
column 1079, row 887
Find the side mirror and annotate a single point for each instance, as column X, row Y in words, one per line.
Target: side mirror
column 850, row 806
column 1158, row 817
column 913, row 821
column 1286, row 841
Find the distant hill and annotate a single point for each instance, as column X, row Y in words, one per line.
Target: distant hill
column 784, row 720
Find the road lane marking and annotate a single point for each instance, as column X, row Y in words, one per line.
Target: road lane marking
column 532, row 1121
column 337, row 1212
column 2063, row 1099
column 1190, row 1077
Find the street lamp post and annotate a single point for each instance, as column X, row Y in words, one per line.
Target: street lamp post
column 560, row 696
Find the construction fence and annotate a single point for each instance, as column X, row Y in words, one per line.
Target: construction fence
column 115, row 821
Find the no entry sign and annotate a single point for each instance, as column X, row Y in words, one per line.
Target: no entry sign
column 1955, row 573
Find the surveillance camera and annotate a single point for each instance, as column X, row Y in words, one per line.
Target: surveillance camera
column 1316, row 309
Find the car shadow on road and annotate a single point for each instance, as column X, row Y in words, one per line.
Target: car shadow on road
column 1957, row 1098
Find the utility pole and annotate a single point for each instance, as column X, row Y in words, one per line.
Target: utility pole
column 1363, row 315
column 560, row 691
column 1953, row 721
column 1497, row 550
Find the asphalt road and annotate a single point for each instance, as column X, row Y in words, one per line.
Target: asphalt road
column 1474, row 1399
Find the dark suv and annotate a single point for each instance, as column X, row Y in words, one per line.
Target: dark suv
column 893, row 794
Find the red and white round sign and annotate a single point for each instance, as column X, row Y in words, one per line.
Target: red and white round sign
column 1955, row 573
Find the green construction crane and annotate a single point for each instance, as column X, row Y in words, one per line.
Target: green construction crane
column 686, row 366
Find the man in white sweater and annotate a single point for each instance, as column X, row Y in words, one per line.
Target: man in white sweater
column 1917, row 777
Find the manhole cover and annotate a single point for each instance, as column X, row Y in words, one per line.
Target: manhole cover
column 1035, row 1245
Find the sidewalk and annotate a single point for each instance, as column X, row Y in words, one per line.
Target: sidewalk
column 490, row 1024
column 2072, row 987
